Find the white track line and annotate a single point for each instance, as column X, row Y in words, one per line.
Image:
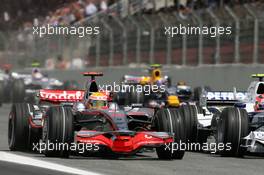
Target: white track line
column 13, row 158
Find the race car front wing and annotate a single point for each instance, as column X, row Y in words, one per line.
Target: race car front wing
column 125, row 142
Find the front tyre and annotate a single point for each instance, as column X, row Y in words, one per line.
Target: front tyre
column 191, row 121
column 232, row 126
column 18, row 91
column 18, row 128
column 58, row 130
column 171, row 121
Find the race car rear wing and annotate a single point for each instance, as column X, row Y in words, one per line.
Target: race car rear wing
column 221, row 98
column 130, row 79
column 60, row 96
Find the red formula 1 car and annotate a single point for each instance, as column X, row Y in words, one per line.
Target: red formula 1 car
column 87, row 121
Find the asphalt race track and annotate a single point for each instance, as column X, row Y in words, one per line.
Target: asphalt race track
column 143, row 164
column 15, row 169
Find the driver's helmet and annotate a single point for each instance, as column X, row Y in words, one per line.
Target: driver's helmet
column 36, row 74
column 97, row 100
column 183, row 88
column 259, row 105
column 181, row 83
column 159, row 83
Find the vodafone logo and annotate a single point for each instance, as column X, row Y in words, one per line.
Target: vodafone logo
column 58, row 95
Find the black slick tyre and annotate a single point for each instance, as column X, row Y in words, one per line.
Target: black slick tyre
column 58, row 129
column 171, row 121
column 232, row 126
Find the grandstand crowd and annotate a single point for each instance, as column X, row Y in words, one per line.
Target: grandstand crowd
column 62, row 12
column 17, row 17
column 25, row 13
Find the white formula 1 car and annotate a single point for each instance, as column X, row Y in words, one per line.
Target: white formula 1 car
column 233, row 118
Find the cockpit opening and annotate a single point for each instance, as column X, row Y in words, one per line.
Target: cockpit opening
column 260, row 89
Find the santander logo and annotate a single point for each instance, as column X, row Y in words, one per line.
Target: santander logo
column 61, row 95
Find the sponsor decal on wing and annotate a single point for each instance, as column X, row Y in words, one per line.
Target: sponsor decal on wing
column 61, row 95
column 225, row 96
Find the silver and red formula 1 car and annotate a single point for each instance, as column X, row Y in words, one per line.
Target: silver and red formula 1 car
column 89, row 117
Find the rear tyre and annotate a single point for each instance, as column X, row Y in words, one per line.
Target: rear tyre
column 197, row 92
column 190, row 119
column 18, row 128
column 136, row 97
column 232, row 126
column 171, row 121
column 119, row 98
column 18, row 91
column 58, row 129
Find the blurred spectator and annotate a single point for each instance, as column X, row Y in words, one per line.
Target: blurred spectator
column 148, row 5
column 77, row 63
column 61, row 63
column 160, row 4
column 78, row 11
column 212, row 3
column 90, row 8
column 123, row 7
column 49, row 64
column 103, row 5
column 184, row 9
